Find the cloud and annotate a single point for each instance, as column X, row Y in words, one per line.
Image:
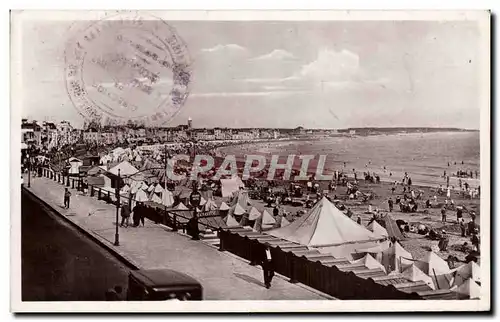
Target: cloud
column 277, row 54
column 331, row 66
column 228, row 47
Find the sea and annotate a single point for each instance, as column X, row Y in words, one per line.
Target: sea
column 424, row 156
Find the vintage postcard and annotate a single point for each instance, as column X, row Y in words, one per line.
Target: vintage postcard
column 263, row 161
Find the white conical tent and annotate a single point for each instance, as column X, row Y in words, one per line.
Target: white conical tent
column 377, row 229
column 437, row 268
column 267, row 219
column 284, row 222
column 180, row 207
column 203, row 201
column 414, row 274
column 253, row 214
column 466, row 271
column 125, row 189
column 433, row 264
column 126, row 169
column 138, row 158
column 134, row 187
column 141, row 196
column 369, row 262
column 394, row 258
column 468, row 288
column 167, row 198
column 238, row 210
column 323, row 225
column 231, row 221
column 159, row 189
column 210, row 205
column 155, row 198
column 223, row 206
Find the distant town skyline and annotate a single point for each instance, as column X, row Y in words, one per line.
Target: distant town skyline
column 336, row 74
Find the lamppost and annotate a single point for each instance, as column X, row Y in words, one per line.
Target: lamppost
column 29, row 169
column 117, row 192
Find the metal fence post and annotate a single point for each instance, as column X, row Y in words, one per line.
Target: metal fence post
column 174, row 224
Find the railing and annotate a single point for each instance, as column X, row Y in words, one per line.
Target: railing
column 330, row 280
column 170, row 217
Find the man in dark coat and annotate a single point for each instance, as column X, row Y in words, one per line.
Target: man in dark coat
column 136, row 217
column 192, row 227
column 267, row 267
column 67, row 196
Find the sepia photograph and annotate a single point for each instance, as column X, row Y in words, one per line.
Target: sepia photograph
column 272, row 161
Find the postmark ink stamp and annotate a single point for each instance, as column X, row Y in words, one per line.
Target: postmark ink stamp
column 127, row 67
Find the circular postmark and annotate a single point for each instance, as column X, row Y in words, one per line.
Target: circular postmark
column 127, row 67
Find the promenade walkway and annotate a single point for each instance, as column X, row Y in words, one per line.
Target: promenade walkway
column 223, row 275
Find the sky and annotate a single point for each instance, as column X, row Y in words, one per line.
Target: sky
column 315, row 74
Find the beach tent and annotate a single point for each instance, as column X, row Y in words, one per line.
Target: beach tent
column 437, row 268
column 141, row 196
column 433, row 264
column 210, row 205
column 466, row 271
column 324, row 225
column 414, row 274
column 257, row 226
column 180, row 207
column 223, row 206
column 125, row 189
column 254, row 214
column 267, row 219
column 237, row 210
column 396, row 258
column 231, row 222
column 469, row 289
column 203, row 201
column 126, row 169
column 284, row 222
column 377, row 229
column 167, row 198
column 230, row 186
column 138, row 158
column 155, row 198
column 159, row 189
column 369, row 262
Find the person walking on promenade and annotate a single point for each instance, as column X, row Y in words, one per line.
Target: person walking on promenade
column 136, row 214
column 391, row 204
column 192, row 227
column 67, row 196
column 443, row 214
column 267, row 267
column 125, row 213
